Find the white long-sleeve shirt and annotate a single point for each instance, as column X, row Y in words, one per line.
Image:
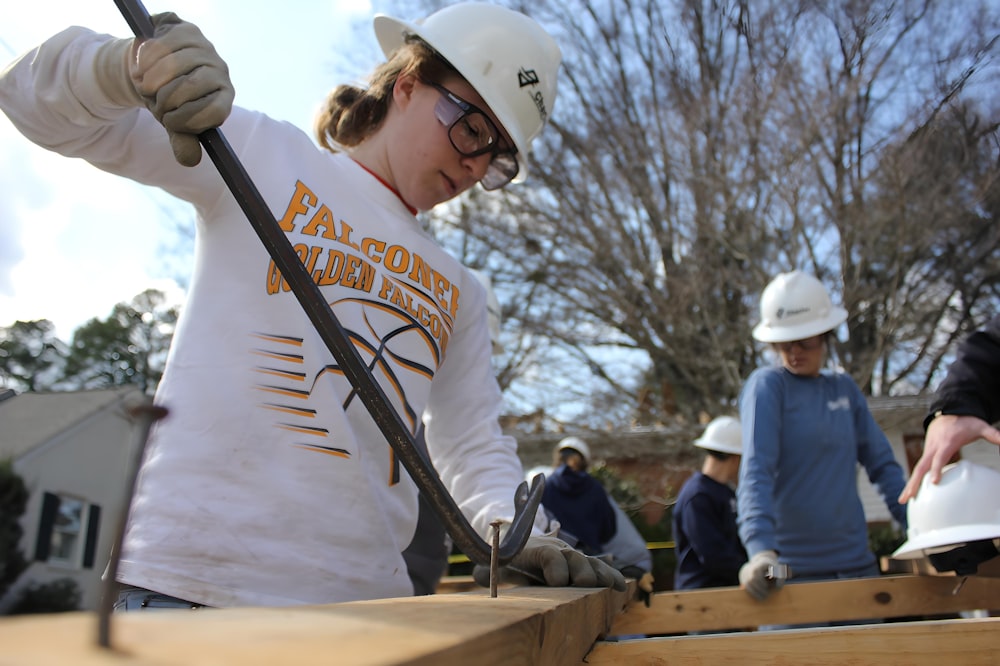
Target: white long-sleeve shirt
column 269, row 483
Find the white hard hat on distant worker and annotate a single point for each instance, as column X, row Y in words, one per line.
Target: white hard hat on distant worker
column 722, row 434
column 796, row 306
column 576, row 444
column 507, row 57
column 492, row 309
column 963, row 507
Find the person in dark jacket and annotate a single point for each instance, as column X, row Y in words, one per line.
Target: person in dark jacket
column 577, row 500
column 709, row 552
column 966, row 403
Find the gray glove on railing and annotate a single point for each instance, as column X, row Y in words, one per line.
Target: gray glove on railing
column 177, row 75
column 546, row 560
column 754, row 575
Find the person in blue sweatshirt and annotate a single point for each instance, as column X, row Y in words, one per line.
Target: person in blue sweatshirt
column 805, row 430
column 708, row 548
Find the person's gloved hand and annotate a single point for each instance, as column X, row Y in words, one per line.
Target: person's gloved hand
column 646, row 588
column 177, row 74
column 644, row 583
column 546, row 560
column 753, row 575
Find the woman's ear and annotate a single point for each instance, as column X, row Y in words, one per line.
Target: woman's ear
column 403, row 89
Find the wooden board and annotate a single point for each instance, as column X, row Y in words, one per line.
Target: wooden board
column 521, row 626
column 862, row 599
column 971, row 642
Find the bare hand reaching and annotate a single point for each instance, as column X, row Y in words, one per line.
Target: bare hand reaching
column 946, row 434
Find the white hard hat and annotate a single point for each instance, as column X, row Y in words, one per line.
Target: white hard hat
column 964, row 506
column 492, row 309
column 795, row 306
column 576, row 444
column 507, row 57
column 722, row 434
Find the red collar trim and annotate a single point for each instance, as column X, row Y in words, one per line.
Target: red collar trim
column 413, row 211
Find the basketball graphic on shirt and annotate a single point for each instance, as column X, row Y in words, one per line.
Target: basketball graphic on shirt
column 389, row 340
column 397, row 346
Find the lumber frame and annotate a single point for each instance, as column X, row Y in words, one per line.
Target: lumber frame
column 532, row 625
column 828, row 601
column 547, row 626
column 969, row 642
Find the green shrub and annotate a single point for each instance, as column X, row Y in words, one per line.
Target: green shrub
column 58, row 596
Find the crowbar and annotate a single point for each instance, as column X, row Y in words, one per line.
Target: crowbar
column 337, row 341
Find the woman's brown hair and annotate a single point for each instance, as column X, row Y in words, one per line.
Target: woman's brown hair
column 352, row 113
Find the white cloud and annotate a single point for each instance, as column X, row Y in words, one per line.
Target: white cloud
column 74, row 241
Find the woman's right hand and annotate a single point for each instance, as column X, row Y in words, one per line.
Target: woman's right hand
column 184, row 83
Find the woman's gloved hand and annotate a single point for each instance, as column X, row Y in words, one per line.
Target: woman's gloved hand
column 754, row 575
column 177, row 75
column 546, row 560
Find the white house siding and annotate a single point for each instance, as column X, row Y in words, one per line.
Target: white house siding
column 88, row 461
column 980, row 452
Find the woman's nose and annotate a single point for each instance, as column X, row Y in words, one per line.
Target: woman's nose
column 478, row 165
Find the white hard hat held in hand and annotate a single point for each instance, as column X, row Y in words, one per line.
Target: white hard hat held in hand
column 963, row 507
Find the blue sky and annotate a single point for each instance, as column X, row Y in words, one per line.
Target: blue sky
column 75, row 241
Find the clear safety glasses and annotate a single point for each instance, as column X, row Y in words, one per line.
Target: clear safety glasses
column 472, row 133
column 809, row 344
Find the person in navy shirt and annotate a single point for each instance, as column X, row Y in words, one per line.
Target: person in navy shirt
column 708, row 548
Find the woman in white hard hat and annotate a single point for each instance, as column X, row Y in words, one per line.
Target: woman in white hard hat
column 805, row 430
column 708, row 548
column 270, row 484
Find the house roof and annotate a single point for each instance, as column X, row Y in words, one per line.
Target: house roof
column 30, row 419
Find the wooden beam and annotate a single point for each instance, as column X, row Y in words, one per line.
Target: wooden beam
column 533, row 625
column 860, row 599
column 972, row 642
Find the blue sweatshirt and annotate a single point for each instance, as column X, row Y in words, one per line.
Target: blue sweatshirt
column 803, row 438
column 709, row 552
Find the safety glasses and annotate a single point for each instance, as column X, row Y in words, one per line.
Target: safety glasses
column 809, row 344
column 472, row 133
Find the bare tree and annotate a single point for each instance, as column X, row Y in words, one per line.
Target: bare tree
column 698, row 148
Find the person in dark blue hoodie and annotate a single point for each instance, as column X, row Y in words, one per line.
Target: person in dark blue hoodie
column 577, row 500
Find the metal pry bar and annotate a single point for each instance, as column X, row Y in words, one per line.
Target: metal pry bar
column 306, row 291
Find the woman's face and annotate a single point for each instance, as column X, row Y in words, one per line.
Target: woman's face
column 802, row 357
column 426, row 167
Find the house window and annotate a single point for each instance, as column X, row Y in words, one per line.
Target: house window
column 66, row 535
column 67, row 531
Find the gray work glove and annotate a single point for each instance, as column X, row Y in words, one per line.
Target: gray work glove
column 177, row 75
column 546, row 560
column 754, row 575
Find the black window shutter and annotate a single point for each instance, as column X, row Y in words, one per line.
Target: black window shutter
column 50, row 507
column 93, row 530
